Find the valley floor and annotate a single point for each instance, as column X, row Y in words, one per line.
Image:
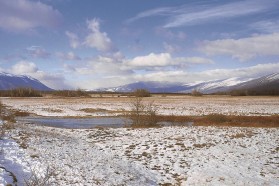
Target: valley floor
column 166, row 105
column 169, row 155
column 147, row 156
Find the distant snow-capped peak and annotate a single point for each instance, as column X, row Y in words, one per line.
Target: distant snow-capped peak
column 10, row 81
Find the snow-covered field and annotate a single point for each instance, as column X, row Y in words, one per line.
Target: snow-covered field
column 170, row 105
column 123, row 156
column 155, row 156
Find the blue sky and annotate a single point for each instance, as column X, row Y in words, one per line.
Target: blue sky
column 92, row 44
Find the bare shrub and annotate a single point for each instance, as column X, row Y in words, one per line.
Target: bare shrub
column 151, row 114
column 143, row 115
column 137, row 109
column 141, row 93
column 196, row 93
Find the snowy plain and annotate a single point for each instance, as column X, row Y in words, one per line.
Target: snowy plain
column 169, row 105
column 150, row 156
column 169, row 155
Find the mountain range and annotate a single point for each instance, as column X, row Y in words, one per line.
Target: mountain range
column 268, row 83
column 11, row 81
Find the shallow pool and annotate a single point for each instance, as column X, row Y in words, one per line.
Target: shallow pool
column 87, row 123
column 77, row 123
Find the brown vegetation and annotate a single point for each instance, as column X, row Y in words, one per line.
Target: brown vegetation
column 71, row 93
column 141, row 93
column 21, row 92
column 21, row 113
column 224, row 120
column 142, row 115
column 196, row 93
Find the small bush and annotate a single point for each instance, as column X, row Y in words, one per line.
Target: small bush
column 141, row 93
column 196, row 93
column 143, row 115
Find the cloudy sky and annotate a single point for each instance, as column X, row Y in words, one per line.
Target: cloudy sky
column 91, row 44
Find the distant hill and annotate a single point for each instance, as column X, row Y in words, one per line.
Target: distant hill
column 264, row 85
column 152, row 86
column 10, row 81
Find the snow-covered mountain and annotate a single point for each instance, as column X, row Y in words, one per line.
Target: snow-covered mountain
column 11, row 81
column 152, row 86
column 270, row 81
column 218, row 85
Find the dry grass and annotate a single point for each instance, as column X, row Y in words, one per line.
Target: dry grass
column 223, row 120
column 21, row 113
column 93, row 110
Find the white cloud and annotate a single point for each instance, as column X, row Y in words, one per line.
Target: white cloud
column 24, row 67
column 199, row 13
column 38, row 52
column 102, row 66
column 97, row 39
column 193, row 60
column 74, row 40
column 152, row 12
column 245, row 48
column 208, row 75
column 25, row 15
column 55, row 81
column 68, row 56
column 162, row 59
column 229, row 10
column 188, row 77
column 247, row 72
column 165, row 60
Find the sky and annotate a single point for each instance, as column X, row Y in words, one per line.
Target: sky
column 91, row 44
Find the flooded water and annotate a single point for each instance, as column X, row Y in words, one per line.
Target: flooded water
column 87, row 123
column 78, row 123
